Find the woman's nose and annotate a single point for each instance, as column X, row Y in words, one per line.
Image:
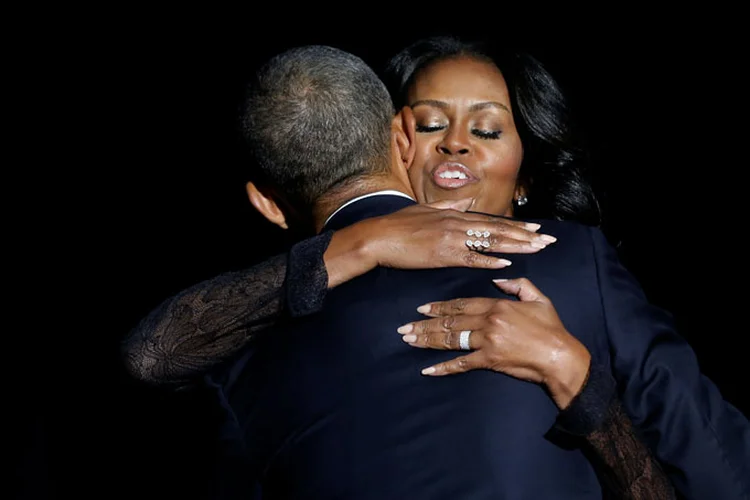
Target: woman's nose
column 454, row 144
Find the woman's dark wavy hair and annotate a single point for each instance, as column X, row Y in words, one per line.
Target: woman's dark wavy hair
column 555, row 164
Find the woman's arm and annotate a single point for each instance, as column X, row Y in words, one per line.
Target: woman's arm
column 201, row 326
column 622, row 460
column 177, row 342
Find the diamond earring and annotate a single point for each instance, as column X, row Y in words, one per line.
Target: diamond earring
column 522, row 200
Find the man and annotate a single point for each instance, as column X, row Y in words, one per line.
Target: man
column 333, row 405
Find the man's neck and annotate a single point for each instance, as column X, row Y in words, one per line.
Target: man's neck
column 329, row 204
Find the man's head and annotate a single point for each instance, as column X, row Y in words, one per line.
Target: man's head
column 318, row 124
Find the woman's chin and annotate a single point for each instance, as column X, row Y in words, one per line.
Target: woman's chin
column 449, row 194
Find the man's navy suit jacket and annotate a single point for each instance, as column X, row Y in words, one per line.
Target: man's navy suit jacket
column 334, row 406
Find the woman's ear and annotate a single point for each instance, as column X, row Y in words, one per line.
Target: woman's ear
column 404, row 130
column 266, row 205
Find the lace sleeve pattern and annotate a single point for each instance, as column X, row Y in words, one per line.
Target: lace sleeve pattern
column 622, row 460
column 177, row 342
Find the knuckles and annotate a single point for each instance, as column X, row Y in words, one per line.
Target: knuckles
column 448, row 340
column 523, row 282
column 447, row 322
column 471, row 258
column 496, row 320
column 500, row 306
column 462, row 363
column 458, row 305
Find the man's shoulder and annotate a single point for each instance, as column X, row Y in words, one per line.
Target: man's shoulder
column 563, row 227
column 571, row 236
column 576, row 251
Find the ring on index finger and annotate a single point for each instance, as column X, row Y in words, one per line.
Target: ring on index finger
column 480, row 241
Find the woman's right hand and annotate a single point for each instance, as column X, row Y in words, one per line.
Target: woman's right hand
column 428, row 236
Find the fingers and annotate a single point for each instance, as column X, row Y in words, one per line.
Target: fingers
column 474, row 305
column 503, row 236
column 481, row 242
column 505, row 244
column 500, row 224
column 522, row 288
column 457, row 209
column 471, row 258
column 456, row 365
column 443, row 333
column 451, row 227
column 449, row 333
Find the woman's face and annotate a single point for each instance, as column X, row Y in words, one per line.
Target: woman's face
column 467, row 145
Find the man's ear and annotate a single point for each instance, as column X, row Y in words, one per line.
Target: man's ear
column 403, row 130
column 266, row 205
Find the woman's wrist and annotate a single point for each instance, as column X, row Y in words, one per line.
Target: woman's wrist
column 349, row 254
column 568, row 375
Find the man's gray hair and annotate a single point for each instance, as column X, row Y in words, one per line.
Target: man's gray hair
column 314, row 118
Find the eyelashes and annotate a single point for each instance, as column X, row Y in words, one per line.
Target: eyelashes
column 485, row 134
column 482, row 134
column 428, row 129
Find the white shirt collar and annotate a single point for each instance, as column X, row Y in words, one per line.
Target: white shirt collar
column 376, row 193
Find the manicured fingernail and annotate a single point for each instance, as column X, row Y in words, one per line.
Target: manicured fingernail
column 405, row 328
column 547, row 238
column 499, row 280
column 424, row 309
column 532, row 226
column 504, row 262
column 536, row 244
column 428, row 371
column 409, row 338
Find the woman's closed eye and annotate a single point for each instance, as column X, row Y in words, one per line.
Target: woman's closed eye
column 426, row 129
column 482, row 134
column 486, row 134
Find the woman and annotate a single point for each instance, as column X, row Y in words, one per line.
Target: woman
column 550, row 177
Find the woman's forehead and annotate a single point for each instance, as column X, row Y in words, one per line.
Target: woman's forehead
column 459, row 77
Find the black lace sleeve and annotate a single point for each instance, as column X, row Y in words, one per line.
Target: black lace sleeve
column 622, row 460
column 176, row 343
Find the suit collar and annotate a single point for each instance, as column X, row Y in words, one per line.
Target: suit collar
column 366, row 206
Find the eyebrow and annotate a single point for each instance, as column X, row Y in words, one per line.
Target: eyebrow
column 474, row 107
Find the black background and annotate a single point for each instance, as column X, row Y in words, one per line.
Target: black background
column 165, row 207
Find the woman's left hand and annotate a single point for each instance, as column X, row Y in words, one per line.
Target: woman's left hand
column 524, row 339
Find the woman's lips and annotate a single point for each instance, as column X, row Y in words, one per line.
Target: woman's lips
column 452, row 175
